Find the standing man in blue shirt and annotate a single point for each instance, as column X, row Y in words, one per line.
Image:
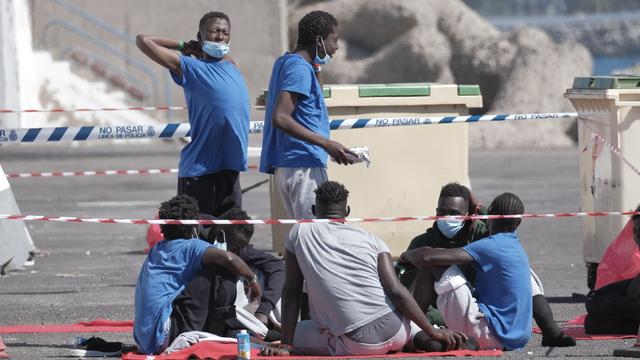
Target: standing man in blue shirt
column 497, row 313
column 218, row 103
column 296, row 140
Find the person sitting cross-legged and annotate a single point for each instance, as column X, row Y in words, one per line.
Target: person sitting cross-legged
column 169, row 267
column 358, row 305
column 457, row 199
column 497, row 312
column 257, row 317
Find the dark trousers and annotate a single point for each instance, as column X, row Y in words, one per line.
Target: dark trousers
column 216, row 192
column 205, row 304
column 613, row 309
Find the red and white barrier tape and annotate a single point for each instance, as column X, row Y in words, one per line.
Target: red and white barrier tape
column 59, row 110
column 613, row 149
column 99, row 173
column 300, row 221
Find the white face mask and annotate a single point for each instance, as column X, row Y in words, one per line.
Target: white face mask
column 215, row 49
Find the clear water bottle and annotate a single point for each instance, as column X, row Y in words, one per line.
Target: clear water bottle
column 244, row 345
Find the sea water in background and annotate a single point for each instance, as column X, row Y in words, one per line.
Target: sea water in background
column 606, row 65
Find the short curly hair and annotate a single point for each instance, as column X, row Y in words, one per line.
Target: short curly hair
column 331, row 192
column 180, row 207
column 454, row 189
column 212, row 15
column 314, row 24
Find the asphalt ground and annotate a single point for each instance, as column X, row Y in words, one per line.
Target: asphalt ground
column 89, row 271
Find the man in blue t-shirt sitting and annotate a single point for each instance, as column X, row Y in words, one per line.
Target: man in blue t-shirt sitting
column 218, row 103
column 497, row 313
column 296, row 140
column 170, row 265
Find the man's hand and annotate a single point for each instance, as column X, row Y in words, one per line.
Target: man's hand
column 452, row 339
column 413, row 257
column 339, row 153
column 262, row 318
column 192, row 47
column 255, row 292
column 276, row 350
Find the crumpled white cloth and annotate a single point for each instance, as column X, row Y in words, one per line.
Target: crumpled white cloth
column 248, row 321
column 246, row 318
column 189, row 338
column 362, row 155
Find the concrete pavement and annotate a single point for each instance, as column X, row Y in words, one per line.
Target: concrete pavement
column 89, row 271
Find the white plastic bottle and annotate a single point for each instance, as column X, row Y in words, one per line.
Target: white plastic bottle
column 244, row 345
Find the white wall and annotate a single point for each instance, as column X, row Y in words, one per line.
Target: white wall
column 12, row 47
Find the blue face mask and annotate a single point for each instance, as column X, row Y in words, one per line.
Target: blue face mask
column 221, row 245
column 215, row 49
column 449, row 227
column 326, row 59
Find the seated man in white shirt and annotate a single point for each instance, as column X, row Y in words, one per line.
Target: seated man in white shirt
column 358, row 305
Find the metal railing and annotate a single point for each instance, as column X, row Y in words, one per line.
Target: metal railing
column 114, row 51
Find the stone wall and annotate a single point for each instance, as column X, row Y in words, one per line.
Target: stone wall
column 258, row 36
column 602, row 37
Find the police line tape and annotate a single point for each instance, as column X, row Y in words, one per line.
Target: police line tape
column 99, row 173
column 302, row 221
column 175, row 130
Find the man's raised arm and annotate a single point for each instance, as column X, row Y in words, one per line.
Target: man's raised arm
column 161, row 50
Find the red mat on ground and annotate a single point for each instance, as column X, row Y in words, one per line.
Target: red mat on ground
column 217, row 351
column 97, row 325
column 578, row 320
column 576, row 330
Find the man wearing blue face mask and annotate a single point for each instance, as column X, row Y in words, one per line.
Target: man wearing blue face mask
column 456, row 199
column 218, row 103
column 296, row 140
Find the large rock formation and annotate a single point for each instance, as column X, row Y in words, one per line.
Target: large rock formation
column 387, row 41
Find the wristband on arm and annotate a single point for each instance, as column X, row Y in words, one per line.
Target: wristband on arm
column 252, row 280
column 180, row 45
